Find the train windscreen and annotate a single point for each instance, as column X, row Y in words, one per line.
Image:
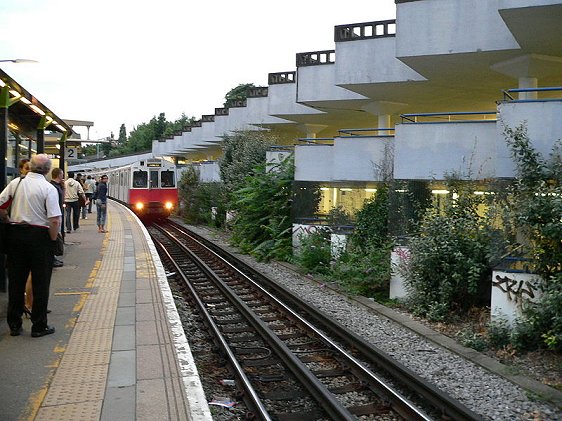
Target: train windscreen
column 167, row 179
column 140, row 179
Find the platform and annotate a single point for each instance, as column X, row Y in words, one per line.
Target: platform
column 119, row 351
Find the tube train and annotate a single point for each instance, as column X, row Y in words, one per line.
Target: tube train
column 147, row 186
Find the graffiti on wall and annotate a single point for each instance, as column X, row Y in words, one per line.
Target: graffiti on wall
column 516, row 290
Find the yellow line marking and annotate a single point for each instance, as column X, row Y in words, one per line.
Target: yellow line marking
column 72, row 293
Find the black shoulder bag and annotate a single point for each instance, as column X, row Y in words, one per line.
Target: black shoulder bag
column 4, row 243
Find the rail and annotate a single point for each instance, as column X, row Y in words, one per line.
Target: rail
column 315, row 140
column 365, row 30
column 280, row 78
column 375, row 132
column 316, row 58
column 508, row 97
column 447, row 117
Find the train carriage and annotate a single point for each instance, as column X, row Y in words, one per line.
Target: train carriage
column 148, row 187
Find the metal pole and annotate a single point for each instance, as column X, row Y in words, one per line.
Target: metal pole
column 41, row 135
column 4, row 103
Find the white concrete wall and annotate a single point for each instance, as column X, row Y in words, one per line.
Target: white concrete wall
column 314, row 162
column 510, row 292
column 282, row 101
column 221, row 124
column 432, row 27
column 371, row 61
column 318, row 83
column 544, row 126
column 357, row 158
column 257, row 112
column 433, row 150
column 398, row 257
column 209, row 172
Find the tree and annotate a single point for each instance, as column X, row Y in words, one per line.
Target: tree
column 238, row 93
column 122, row 135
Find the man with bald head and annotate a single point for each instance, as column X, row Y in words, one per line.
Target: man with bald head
column 34, row 223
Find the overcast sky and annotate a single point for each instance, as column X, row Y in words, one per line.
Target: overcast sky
column 125, row 61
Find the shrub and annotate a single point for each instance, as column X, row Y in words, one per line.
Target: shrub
column 197, row 199
column 449, row 268
column 314, row 252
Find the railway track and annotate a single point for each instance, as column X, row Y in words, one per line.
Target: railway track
column 289, row 361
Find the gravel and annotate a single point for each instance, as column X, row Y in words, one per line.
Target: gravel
column 486, row 393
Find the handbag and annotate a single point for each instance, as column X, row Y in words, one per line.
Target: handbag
column 58, row 246
column 4, row 243
column 81, row 200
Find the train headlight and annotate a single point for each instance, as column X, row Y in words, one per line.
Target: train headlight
column 168, row 205
column 139, row 206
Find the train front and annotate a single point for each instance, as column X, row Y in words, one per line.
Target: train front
column 154, row 193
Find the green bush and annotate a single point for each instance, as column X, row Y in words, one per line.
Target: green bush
column 449, row 269
column 197, row 200
column 314, row 253
column 262, row 226
column 365, row 272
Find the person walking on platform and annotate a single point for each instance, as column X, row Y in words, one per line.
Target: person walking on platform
column 34, row 223
column 72, row 191
column 101, row 203
column 90, row 189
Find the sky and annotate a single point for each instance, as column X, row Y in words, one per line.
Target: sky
column 119, row 62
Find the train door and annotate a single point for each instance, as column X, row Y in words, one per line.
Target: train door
column 154, row 179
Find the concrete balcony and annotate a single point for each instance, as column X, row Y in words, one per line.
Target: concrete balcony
column 443, row 27
column 541, row 116
column 435, row 145
column 351, row 157
column 282, row 97
column 209, row 172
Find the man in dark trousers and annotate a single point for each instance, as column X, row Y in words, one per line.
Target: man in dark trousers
column 34, row 223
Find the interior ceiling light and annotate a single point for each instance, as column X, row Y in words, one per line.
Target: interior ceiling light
column 25, row 100
column 15, row 93
column 2, row 84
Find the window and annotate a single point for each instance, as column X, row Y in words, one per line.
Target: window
column 140, row 179
column 167, row 179
column 153, row 179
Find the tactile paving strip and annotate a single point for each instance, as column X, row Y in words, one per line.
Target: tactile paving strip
column 84, row 411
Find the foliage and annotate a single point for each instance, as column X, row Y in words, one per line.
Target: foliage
column 263, row 226
column 408, row 202
column 365, row 272
column 197, row 199
column 536, row 208
column 449, row 268
column 239, row 93
column 141, row 137
column 122, row 139
column 314, row 252
column 306, row 198
column 472, row 339
column 243, row 152
column 537, row 202
column 371, row 222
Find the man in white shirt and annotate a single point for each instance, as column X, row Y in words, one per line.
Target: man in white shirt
column 34, row 223
column 72, row 190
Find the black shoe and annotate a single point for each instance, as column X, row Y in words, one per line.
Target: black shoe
column 57, row 264
column 15, row 331
column 47, row 331
column 68, row 232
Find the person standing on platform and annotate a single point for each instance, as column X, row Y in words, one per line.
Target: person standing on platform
column 35, row 220
column 90, row 189
column 72, row 190
column 57, row 180
column 101, row 203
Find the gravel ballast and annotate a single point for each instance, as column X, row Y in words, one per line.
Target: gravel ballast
column 484, row 392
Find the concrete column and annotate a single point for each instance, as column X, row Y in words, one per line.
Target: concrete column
column 528, row 82
column 383, row 123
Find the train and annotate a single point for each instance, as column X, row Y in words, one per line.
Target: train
column 148, row 187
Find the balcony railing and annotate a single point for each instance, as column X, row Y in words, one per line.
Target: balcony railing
column 221, row 111
column 316, row 140
column 449, row 117
column 316, row 58
column 368, row 132
column 237, row 103
column 281, row 77
column 366, row 30
column 208, row 118
column 257, row 92
column 545, row 91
